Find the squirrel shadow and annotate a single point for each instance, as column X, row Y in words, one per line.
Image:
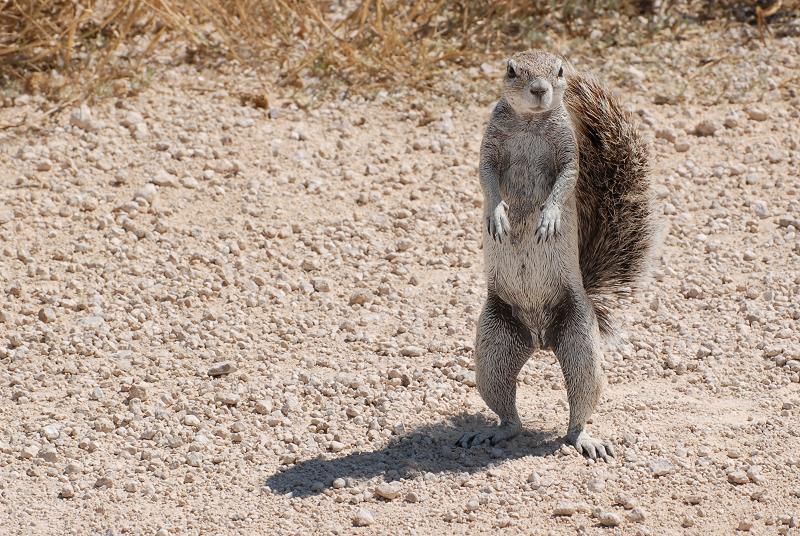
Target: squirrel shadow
column 428, row 449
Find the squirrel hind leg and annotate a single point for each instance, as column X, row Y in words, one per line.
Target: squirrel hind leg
column 503, row 345
column 574, row 336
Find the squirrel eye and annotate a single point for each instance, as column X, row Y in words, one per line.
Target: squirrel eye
column 510, row 72
column 560, row 72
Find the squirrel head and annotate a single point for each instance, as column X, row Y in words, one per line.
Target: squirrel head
column 534, row 82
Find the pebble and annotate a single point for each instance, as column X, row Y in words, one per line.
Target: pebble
column 412, row 497
column 191, row 420
column 48, row 454
column 757, row 114
column 321, row 284
column 661, row 467
column 411, row 351
column 47, row 315
column 81, row 117
column 637, row 515
column 148, row 192
column 104, row 482
column 51, row 432
column 738, row 477
column 610, row 519
column 162, row 178
column 227, row 398
column 221, row 369
column 754, row 474
column 67, row 491
column 666, row 134
column 29, row 452
column 706, row 128
column 190, row 182
column 263, row 407
column 360, row 297
column 363, row 518
column 565, row 509
column 388, row 490
column 596, row 485
column 682, row 147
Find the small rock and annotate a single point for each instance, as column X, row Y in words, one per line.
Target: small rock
column 29, row 452
column 67, row 491
column 263, row 407
column 706, row 128
column 191, row 420
column 137, row 391
column 81, row 117
column 388, row 490
column 752, row 178
column 103, row 482
column 363, row 518
column 756, row 114
column 190, row 182
column 565, row 509
column 47, row 315
column 229, row 399
column 682, row 147
column 754, row 474
column 738, row 477
column 744, row 526
column 221, row 369
column 48, row 454
column 148, row 192
column 661, row 467
column 321, row 284
column 163, row 178
column 360, row 297
column 472, row 505
column 610, row 519
column 637, row 515
column 411, row 351
column 51, row 432
column 666, row 134
column 596, row 485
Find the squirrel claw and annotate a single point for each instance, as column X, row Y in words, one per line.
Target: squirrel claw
column 497, row 223
column 549, row 222
column 590, row 447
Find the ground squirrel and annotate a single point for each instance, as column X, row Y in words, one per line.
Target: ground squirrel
column 568, row 227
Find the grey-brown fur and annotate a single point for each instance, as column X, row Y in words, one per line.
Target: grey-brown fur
column 568, row 227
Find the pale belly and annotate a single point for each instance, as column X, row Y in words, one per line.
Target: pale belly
column 532, row 276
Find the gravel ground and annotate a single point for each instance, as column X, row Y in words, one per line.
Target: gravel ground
column 219, row 319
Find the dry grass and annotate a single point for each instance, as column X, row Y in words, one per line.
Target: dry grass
column 68, row 49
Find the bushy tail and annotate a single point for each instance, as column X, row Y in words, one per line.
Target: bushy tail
column 617, row 223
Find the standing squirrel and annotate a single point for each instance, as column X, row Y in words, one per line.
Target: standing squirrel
column 569, row 226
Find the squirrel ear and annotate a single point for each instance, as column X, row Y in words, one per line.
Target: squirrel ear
column 511, row 71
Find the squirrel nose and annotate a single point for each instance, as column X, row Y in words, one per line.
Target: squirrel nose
column 538, row 91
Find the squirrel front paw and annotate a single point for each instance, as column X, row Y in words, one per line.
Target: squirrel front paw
column 549, row 222
column 497, row 222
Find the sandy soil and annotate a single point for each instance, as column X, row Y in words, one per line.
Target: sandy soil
column 216, row 319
